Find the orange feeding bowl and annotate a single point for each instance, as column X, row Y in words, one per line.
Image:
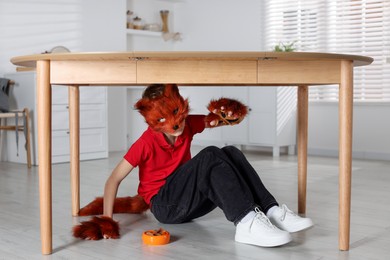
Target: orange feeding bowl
column 156, row 237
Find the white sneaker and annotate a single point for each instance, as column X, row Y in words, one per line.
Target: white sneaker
column 285, row 219
column 260, row 232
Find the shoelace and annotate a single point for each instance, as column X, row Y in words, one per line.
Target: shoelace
column 285, row 211
column 260, row 216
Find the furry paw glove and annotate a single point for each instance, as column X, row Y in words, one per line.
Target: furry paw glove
column 225, row 111
column 97, row 228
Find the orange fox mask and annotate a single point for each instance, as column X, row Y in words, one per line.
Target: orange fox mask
column 163, row 108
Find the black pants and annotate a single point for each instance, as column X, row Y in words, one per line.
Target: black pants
column 213, row 178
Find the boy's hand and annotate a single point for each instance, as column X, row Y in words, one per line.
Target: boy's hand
column 225, row 111
column 97, row 228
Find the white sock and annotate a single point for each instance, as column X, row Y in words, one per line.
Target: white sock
column 271, row 210
column 248, row 217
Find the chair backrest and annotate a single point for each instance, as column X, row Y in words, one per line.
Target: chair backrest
column 4, row 94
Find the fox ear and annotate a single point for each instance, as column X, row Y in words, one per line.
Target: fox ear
column 171, row 91
column 142, row 106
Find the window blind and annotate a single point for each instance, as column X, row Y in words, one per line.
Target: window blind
column 360, row 27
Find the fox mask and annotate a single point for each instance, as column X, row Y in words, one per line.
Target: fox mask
column 163, row 108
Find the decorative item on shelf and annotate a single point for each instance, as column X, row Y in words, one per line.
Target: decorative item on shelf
column 164, row 17
column 171, row 36
column 57, row 49
column 129, row 23
column 153, row 27
column 138, row 24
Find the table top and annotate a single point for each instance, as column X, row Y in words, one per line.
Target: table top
column 30, row 60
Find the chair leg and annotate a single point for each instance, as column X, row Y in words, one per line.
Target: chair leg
column 25, row 128
column 1, row 139
column 28, row 139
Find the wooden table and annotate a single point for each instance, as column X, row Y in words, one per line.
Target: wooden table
column 192, row 68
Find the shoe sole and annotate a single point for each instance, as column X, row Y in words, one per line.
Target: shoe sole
column 268, row 243
column 300, row 227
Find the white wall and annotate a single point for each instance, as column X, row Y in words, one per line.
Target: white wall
column 371, row 128
column 205, row 25
column 104, row 30
column 219, row 25
column 236, row 25
column 28, row 27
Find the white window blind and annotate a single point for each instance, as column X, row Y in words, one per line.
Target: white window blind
column 359, row 27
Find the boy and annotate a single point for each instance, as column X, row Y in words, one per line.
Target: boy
column 178, row 188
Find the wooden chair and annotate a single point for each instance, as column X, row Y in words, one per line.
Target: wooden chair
column 24, row 115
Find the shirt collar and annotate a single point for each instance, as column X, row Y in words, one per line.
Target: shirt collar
column 160, row 139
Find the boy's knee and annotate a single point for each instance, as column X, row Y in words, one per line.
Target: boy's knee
column 211, row 149
column 231, row 149
column 210, row 153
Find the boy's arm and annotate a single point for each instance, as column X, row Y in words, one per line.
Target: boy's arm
column 104, row 226
column 111, row 188
column 225, row 111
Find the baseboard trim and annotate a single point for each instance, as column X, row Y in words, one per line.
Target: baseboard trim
column 365, row 155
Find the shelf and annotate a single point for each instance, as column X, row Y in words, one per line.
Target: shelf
column 143, row 33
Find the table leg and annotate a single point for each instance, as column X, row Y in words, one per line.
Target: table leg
column 44, row 153
column 345, row 152
column 74, row 132
column 303, row 97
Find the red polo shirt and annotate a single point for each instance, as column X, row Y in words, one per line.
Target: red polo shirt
column 157, row 159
